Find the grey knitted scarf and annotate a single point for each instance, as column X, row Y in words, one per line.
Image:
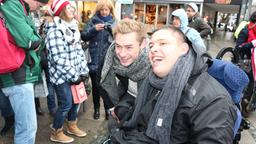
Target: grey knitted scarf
column 159, row 126
column 136, row 71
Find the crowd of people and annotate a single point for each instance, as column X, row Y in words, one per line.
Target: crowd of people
column 155, row 89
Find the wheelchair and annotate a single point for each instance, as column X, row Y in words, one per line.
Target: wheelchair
column 241, row 60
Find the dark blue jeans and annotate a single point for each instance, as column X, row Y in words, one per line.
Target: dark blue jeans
column 5, row 105
column 51, row 102
column 66, row 107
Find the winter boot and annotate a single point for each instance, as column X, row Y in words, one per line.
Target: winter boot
column 59, row 136
column 96, row 114
column 74, row 130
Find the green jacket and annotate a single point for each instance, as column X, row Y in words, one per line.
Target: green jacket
column 25, row 35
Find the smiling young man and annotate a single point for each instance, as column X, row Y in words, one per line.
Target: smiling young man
column 178, row 102
column 126, row 60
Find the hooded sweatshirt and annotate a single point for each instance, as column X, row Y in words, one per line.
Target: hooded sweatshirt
column 191, row 33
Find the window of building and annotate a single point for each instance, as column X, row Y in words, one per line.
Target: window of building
column 150, row 18
column 162, row 16
column 127, row 11
column 139, row 12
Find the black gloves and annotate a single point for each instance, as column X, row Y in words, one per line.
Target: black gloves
column 84, row 77
column 80, row 79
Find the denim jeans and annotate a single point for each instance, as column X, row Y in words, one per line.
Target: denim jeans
column 5, row 105
column 22, row 101
column 51, row 102
column 66, row 107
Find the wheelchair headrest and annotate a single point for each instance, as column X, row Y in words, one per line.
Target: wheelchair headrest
column 230, row 76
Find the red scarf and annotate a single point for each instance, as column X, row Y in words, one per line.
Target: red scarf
column 252, row 36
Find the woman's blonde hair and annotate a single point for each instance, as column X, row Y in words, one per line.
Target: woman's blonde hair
column 127, row 26
column 109, row 4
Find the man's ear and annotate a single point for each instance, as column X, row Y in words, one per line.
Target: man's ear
column 143, row 43
column 184, row 48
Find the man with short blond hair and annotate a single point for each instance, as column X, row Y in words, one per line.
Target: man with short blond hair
column 127, row 61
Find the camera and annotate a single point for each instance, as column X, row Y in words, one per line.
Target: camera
column 107, row 27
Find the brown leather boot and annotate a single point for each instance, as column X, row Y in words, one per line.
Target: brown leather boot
column 59, row 136
column 74, row 130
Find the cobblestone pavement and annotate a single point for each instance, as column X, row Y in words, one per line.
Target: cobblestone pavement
column 96, row 129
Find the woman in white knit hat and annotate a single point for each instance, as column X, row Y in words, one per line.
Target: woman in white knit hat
column 67, row 66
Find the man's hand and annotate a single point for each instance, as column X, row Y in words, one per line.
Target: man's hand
column 115, row 116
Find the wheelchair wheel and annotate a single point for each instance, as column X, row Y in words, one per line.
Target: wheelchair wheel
column 227, row 54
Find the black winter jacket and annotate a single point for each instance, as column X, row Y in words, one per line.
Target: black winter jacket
column 205, row 118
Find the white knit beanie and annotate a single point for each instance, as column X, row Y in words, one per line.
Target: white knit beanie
column 193, row 6
column 57, row 6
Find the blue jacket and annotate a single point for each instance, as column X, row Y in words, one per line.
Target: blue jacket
column 191, row 33
column 99, row 41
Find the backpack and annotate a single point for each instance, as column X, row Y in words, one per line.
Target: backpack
column 12, row 56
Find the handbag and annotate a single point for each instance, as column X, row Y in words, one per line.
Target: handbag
column 78, row 92
column 12, row 56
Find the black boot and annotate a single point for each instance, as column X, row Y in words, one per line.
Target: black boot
column 39, row 111
column 96, row 114
column 9, row 123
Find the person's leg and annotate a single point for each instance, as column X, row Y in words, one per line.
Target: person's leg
column 7, row 113
column 95, row 95
column 39, row 111
column 64, row 96
column 107, row 102
column 22, row 101
column 51, row 102
column 72, row 122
